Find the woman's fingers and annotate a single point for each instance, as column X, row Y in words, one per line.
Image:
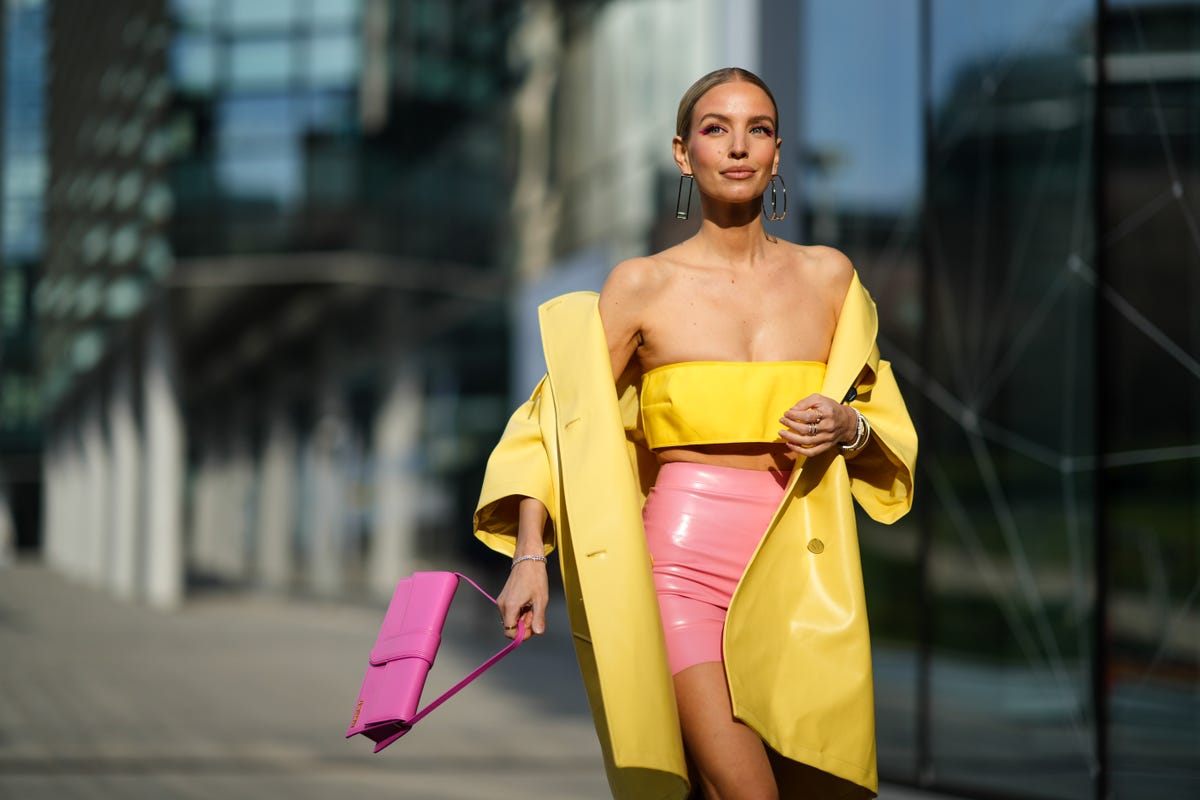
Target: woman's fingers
column 813, row 412
column 810, row 425
column 508, row 619
column 538, row 618
column 525, row 596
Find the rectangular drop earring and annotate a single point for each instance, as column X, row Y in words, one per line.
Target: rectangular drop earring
column 682, row 213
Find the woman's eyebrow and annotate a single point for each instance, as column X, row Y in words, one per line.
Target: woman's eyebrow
column 722, row 118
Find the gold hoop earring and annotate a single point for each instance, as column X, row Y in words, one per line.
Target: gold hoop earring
column 682, row 213
column 776, row 214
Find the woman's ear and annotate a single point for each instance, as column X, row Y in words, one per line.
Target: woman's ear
column 775, row 165
column 681, row 155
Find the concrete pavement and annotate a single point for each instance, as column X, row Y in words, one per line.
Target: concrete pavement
column 243, row 696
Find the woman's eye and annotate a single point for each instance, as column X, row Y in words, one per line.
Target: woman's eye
column 763, row 129
column 711, row 129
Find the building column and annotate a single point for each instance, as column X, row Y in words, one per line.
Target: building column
column 328, row 511
column 80, row 539
column 239, row 490
column 397, row 482
column 222, row 516
column 198, row 526
column 96, row 478
column 72, row 515
column 8, row 530
column 535, row 210
column 125, row 484
column 276, row 510
column 51, row 504
column 163, row 448
column 62, row 502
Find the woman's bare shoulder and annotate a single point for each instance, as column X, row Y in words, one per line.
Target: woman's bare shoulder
column 826, row 262
column 634, row 278
column 827, row 267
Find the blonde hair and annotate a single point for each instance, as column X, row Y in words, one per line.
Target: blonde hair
column 687, row 104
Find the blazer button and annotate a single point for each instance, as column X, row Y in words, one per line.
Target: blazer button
column 816, row 546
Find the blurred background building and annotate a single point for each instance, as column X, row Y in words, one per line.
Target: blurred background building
column 269, row 271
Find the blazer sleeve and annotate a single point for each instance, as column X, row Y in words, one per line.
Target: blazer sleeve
column 518, row 467
column 881, row 475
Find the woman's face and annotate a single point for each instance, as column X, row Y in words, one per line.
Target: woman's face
column 731, row 148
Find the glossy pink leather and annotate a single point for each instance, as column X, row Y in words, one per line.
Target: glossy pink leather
column 404, row 651
column 703, row 524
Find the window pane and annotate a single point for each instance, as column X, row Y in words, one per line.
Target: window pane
column 1151, row 484
column 262, row 63
column 256, row 116
column 336, row 12
column 269, row 174
column 1007, row 450
column 193, row 62
column 331, row 111
column 194, row 14
column 263, row 14
column 333, row 59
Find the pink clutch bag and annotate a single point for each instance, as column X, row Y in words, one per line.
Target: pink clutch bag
column 403, row 653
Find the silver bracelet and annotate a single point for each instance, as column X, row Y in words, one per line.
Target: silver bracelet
column 529, row 557
column 860, row 438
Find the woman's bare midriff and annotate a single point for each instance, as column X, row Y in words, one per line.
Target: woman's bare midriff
column 740, row 456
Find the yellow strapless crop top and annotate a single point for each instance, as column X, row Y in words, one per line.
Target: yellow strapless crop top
column 722, row 402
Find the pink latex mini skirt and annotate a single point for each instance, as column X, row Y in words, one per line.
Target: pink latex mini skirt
column 703, row 524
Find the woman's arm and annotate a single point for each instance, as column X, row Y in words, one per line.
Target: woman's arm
column 527, row 590
column 511, row 515
column 622, row 309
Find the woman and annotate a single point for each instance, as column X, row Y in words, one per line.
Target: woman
column 737, row 375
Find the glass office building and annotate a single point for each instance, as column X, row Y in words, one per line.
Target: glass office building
column 1017, row 184
column 23, row 173
column 271, row 309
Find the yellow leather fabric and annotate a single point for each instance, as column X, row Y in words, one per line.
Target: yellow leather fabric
column 717, row 402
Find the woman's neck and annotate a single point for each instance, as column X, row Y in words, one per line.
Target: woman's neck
column 734, row 235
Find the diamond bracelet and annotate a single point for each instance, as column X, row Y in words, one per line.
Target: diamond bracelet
column 530, row 557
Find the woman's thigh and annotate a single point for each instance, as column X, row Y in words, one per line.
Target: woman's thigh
column 729, row 757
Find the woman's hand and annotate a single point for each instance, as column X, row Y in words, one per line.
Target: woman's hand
column 525, row 596
column 527, row 590
column 816, row 424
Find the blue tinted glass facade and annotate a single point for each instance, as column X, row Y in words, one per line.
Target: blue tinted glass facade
column 1016, row 182
column 23, row 171
column 302, row 127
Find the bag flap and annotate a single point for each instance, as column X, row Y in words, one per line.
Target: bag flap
column 413, row 623
column 415, row 644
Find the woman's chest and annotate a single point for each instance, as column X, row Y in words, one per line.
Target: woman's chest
column 707, row 322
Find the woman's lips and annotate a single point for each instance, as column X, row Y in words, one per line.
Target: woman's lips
column 738, row 173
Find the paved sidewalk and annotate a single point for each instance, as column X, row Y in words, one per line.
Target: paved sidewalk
column 248, row 697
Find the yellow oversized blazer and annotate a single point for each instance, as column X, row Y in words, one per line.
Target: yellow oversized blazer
column 797, row 654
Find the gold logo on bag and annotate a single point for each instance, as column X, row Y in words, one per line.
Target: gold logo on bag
column 816, row 546
column 357, row 711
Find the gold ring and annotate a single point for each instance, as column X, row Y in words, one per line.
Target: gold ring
column 510, row 627
column 812, row 429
